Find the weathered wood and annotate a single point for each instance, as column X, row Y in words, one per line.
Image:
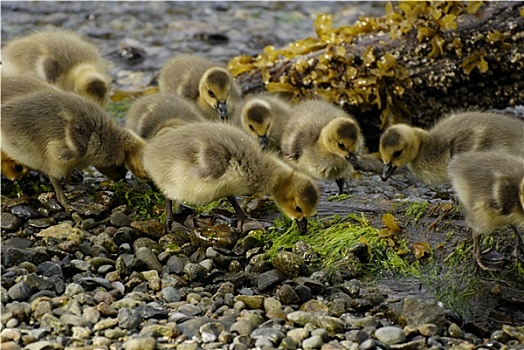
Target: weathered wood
column 478, row 64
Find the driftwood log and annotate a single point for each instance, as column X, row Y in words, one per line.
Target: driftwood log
column 418, row 62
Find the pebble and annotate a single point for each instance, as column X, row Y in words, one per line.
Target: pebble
column 313, row 342
column 145, row 343
column 390, row 335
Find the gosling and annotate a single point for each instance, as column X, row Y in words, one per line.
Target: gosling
column 264, row 116
column 322, row 140
column 427, row 153
column 14, row 86
column 150, row 114
column 208, row 161
column 55, row 131
column 490, row 186
column 202, row 81
column 61, row 57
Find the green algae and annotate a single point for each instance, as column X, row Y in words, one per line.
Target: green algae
column 416, row 210
column 141, row 198
column 333, row 238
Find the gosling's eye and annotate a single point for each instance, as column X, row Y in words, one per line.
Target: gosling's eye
column 251, row 128
column 211, row 93
column 298, row 209
column 397, row 154
column 341, row 145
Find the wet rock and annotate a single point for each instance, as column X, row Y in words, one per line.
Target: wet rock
column 454, row 331
column 315, row 306
column 191, row 328
column 119, row 219
column 217, row 257
column 176, row 263
column 85, row 206
column 242, row 327
column 90, row 283
column 19, row 291
column 194, row 271
column 210, row 331
column 48, row 269
column 252, row 301
column 168, row 331
column 37, row 283
column 150, row 228
column 415, row 312
column 44, row 345
column 219, row 235
column 287, row 295
column 390, row 335
column 148, row 243
column 12, row 256
column 8, row 334
column 125, row 235
column 313, row 342
column 273, row 335
column 269, row 278
column 171, row 295
column 146, row 343
column 104, row 240
column 331, row 324
column 74, row 321
column 129, row 319
column 10, row 222
column 303, row 292
column 146, row 257
column 289, row 263
column 25, row 212
column 63, row 231
column 301, row 317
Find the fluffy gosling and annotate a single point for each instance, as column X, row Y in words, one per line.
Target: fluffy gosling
column 322, row 140
column 61, row 57
column 202, row 81
column 427, row 153
column 264, row 116
column 208, row 161
column 55, row 131
column 150, row 114
column 490, row 186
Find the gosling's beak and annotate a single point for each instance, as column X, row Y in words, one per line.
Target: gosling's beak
column 388, row 170
column 353, row 159
column 221, row 108
column 264, row 142
column 302, row 225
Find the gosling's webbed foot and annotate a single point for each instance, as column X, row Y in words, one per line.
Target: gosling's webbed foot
column 490, row 260
column 174, row 226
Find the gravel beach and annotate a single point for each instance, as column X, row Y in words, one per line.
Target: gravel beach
column 99, row 278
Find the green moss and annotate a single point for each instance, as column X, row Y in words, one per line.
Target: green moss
column 416, row 210
column 339, row 197
column 222, row 203
column 140, row 197
column 332, row 239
